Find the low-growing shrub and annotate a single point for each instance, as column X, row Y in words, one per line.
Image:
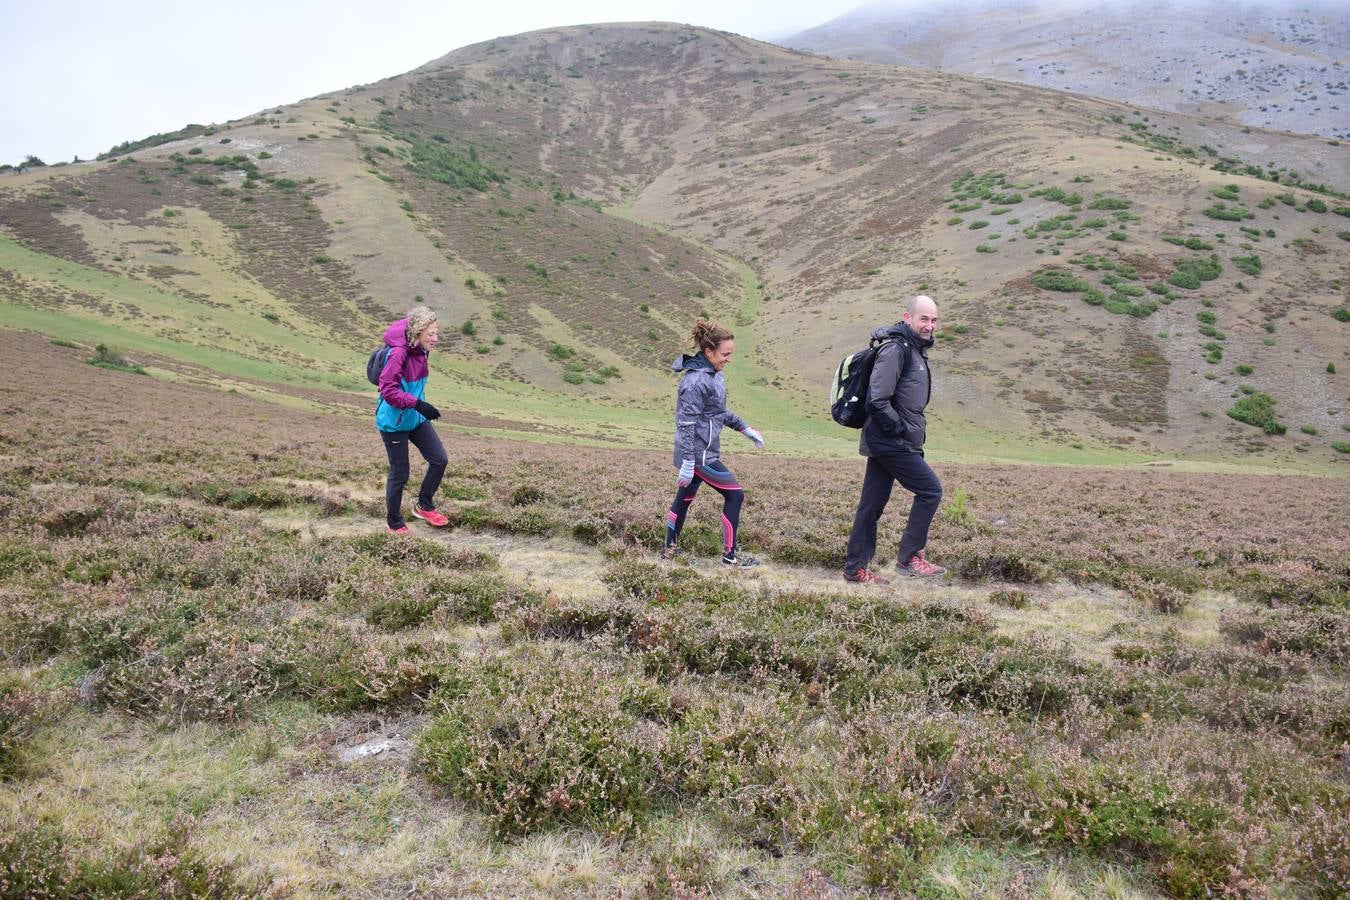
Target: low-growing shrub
column 22, row 710
column 536, row 739
column 1257, row 409
column 342, row 668
column 106, row 358
column 40, row 860
column 1059, row 280
column 1011, row 598
column 1104, row 202
column 1227, row 213
column 1005, row 565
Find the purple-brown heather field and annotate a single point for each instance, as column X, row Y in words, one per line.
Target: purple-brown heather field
column 1134, row 683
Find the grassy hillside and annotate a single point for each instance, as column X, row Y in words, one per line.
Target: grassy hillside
column 218, row 676
column 571, row 199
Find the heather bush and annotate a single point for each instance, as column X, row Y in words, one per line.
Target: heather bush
column 1321, row 848
column 41, row 860
column 1321, row 633
column 1156, row 595
column 1012, row 598
column 1192, row 845
column 180, row 662
column 982, row 559
column 682, row 871
column 1292, row 584
column 540, row 738
column 22, row 710
column 341, row 667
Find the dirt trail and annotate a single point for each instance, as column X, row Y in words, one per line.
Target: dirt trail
column 1090, row 618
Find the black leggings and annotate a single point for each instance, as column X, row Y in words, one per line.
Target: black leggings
column 722, row 481
column 424, row 438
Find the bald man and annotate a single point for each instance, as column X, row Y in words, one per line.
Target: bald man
column 892, row 440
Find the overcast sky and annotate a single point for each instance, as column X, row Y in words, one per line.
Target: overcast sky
column 79, row 76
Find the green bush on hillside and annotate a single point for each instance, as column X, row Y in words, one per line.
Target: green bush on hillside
column 1190, row 272
column 440, row 163
column 1257, row 409
column 1190, row 243
column 1059, row 280
column 1226, row 213
column 106, row 358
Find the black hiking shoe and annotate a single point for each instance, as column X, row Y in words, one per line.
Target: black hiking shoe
column 738, row 560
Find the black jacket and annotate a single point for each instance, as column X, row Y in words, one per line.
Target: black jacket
column 897, row 393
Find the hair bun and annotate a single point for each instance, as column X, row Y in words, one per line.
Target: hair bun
column 708, row 335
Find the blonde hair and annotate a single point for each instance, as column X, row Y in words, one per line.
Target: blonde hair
column 420, row 318
column 709, row 335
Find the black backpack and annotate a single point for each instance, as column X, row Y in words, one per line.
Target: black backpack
column 375, row 365
column 848, row 391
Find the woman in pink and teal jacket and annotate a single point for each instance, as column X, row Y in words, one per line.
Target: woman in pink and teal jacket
column 403, row 417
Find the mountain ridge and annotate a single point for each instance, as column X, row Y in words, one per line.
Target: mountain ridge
column 574, row 197
column 1279, row 67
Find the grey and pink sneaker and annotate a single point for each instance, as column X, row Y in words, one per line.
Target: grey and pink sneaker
column 920, row 567
column 866, row 576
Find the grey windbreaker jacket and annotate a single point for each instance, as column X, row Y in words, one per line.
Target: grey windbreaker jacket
column 701, row 411
column 895, row 404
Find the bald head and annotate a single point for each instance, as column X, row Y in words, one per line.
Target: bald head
column 922, row 316
column 922, row 302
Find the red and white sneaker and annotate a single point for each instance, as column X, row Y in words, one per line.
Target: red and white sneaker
column 866, row 576
column 431, row 517
column 402, row 529
column 920, row 567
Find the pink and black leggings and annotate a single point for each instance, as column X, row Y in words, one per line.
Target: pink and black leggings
column 720, row 479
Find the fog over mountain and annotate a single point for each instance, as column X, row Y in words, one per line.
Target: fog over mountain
column 1282, row 66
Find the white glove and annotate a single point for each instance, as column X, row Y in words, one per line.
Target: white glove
column 686, row 473
column 755, row 436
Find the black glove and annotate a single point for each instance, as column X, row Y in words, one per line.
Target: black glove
column 427, row 409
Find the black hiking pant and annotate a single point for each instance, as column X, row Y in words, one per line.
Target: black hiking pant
column 883, row 471
column 428, row 443
column 719, row 477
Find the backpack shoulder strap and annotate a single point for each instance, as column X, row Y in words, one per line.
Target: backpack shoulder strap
column 904, row 351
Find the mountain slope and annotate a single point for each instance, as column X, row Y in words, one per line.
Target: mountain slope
column 573, row 198
column 1270, row 66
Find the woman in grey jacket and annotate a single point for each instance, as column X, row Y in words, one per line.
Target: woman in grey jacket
column 700, row 412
